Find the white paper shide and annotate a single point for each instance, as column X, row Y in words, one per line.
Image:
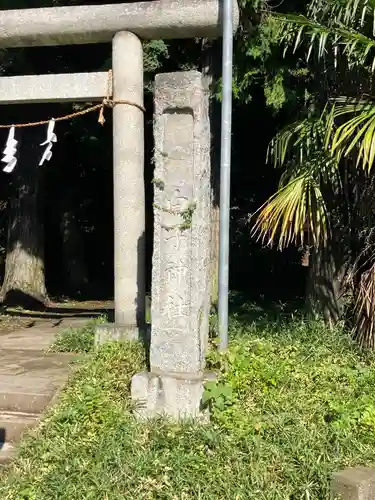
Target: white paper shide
column 10, row 152
column 51, row 138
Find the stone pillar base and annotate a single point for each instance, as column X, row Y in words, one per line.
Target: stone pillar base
column 113, row 332
column 169, row 396
column 357, row 483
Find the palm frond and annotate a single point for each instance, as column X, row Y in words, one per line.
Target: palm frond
column 356, row 134
column 326, row 39
column 285, row 216
column 298, row 207
column 348, row 12
column 299, row 139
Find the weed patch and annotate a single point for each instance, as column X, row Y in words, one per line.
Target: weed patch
column 79, row 340
column 293, row 402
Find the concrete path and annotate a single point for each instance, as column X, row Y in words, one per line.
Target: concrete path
column 30, row 378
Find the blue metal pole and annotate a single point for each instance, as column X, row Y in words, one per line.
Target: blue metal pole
column 225, row 168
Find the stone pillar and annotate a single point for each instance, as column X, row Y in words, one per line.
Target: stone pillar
column 129, row 192
column 180, row 274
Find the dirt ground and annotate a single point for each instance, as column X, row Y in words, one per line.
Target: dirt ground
column 12, row 318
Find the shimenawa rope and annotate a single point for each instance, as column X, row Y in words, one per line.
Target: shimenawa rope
column 106, row 103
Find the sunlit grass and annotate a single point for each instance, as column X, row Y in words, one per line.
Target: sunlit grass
column 298, row 404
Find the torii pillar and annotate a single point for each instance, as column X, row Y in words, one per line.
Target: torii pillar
column 128, row 192
column 128, row 184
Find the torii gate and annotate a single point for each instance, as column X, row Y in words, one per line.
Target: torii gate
column 125, row 25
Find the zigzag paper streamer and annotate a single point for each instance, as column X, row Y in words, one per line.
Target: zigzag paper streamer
column 9, row 152
column 51, row 138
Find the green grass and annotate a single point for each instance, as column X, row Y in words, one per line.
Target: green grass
column 294, row 402
column 79, row 340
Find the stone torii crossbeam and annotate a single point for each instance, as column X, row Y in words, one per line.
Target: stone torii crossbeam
column 125, row 25
column 158, row 19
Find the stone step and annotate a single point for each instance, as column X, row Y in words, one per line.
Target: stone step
column 41, row 336
column 7, row 453
column 35, row 363
column 29, row 380
column 14, row 424
column 26, row 394
column 37, row 338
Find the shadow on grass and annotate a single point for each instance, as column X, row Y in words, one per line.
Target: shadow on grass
column 264, row 313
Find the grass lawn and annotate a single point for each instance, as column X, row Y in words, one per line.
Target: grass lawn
column 294, row 402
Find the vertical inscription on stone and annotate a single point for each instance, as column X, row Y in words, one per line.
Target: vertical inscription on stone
column 181, row 224
column 175, row 243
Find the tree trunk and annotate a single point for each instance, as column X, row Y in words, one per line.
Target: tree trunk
column 73, row 254
column 325, row 284
column 24, row 280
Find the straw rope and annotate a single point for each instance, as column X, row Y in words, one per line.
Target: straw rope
column 106, row 103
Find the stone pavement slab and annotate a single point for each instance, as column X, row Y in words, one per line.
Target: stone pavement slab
column 27, row 394
column 7, row 453
column 34, row 363
column 30, row 378
column 13, row 425
column 39, row 337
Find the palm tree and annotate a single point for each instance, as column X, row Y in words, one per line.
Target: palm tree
column 324, row 201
